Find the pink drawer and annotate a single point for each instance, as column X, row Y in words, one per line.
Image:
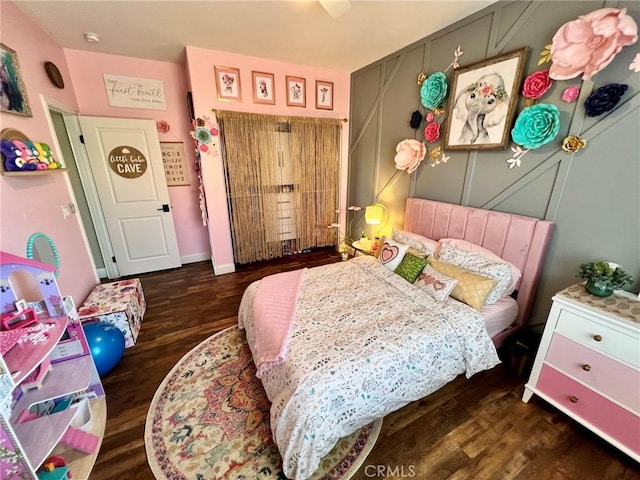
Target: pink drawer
column 604, row 374
column 611, row 419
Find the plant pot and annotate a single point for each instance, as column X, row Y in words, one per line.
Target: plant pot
column 598, row 291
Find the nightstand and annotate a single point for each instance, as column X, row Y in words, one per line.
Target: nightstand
column 364, row 247
column 588, row 364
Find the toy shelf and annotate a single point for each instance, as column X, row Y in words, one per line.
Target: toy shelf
column 23, row 358
column 64, row 378
column 29, row 173
column 39, row 436
column 81, row 463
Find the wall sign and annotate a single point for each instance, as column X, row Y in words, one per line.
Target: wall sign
column 131, row 92
column 127, row 162
column 175, row 165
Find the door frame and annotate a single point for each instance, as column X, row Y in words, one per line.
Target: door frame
column 81, row 159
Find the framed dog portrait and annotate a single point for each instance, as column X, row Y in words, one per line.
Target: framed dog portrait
column 13, row 94
column 228, row 83
column 482, row 103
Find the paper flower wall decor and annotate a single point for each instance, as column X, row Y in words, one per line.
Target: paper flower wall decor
column 432, row 132
column 589, row 43
column 416, row 119
column 536, row 84
column 203, row 133
column 429, row 117
column 573, row 143
column 635, row 63
column 163, row 126
column 536, row 126
column 570, row 94
column 409, row 154
column 604, row 99
column 421, row 78
column 433, row 90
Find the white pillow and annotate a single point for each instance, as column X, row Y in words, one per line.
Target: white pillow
column 391, row 253
column 481, row 265
column 460, row 244
column 416, row 241
column 436, row 284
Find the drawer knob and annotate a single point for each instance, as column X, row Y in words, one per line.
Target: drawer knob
column 597, row 338
column 573, row 399
column 586, row 367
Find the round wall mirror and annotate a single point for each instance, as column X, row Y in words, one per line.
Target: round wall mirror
column 41, row 248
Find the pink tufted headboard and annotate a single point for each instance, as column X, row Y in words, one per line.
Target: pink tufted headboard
column 520, row 240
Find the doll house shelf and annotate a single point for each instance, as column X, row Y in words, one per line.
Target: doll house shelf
column 37, row 407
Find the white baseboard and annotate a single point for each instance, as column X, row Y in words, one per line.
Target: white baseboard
column 222, row 269
column 196, row 257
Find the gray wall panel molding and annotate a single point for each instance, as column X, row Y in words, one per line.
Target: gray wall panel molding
column 551, row 183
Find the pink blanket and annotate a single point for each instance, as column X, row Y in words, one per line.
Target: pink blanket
column 274, row 309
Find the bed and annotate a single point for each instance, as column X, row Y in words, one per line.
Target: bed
column 365, row 342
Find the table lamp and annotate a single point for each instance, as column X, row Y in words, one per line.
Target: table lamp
column 374, row 214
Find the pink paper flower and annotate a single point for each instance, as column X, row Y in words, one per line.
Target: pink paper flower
column 635, row 63
column 163, row 126
column 409, row 154
column 432, row 132
column 570, row 94
column 536, row 84
column 429, row 117
column 590, row 43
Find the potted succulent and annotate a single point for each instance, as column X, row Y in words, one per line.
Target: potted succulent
column 603, row 277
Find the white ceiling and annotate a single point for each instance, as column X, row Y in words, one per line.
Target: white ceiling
column 299, row 31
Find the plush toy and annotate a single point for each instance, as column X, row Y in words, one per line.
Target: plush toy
column 28, row 153
column 14, row 156
column 45, row 156
column 34, row 155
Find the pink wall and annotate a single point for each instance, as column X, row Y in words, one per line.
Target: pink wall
column 33, row 204
column 86, row 69
column 200, row 69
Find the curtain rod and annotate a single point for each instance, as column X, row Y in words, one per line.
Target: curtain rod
column 345, row 120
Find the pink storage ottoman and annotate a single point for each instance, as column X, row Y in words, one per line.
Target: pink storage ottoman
column 120, row 303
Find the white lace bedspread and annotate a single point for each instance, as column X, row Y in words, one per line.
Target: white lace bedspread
column 365, row 342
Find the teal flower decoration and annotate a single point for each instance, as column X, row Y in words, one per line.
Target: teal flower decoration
column 536, row 125
column 203, row 135
column 433, row 90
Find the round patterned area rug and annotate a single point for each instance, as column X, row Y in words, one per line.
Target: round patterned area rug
column 209, row 419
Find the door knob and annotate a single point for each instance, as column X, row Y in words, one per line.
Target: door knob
column 165, row 208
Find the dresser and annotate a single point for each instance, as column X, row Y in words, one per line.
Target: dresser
column 588, row 364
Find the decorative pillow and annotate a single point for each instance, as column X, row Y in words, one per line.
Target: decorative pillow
column 436, row 284
column 410, row 267
column 472, row 247
column 391, row 253
column 418, row 242
column 472, row 289
column 481, row 265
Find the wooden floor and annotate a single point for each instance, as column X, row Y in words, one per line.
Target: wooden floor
column 470, row 429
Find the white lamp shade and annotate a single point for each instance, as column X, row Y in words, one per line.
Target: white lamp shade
column 373, row 214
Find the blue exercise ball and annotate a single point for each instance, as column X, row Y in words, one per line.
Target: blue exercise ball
column 106, row 343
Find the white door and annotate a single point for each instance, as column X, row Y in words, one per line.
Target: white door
column 126, row 163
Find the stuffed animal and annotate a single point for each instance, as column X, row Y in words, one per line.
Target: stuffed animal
column 14, row 156
column 45, row 156
column 28, row 153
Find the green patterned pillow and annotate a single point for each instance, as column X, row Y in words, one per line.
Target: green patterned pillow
column 410, row 267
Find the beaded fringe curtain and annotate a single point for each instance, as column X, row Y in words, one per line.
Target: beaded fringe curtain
column 282, row 180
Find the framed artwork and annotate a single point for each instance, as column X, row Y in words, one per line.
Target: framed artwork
column 13, row 94
column 324, row 95
column 482, row 103
column 296, row 91
column 263, row 88
column 228, row 83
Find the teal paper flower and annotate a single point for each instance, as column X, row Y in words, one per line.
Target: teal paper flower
column 536, row 125
column 433, row 90
column 203, row 135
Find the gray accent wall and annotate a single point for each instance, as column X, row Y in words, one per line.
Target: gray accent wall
column 592, row 196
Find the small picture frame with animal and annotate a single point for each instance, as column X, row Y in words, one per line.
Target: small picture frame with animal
column 482, row 103
column 296, row 91
column 324, row 95
column 228, row 84
column 263, row 88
